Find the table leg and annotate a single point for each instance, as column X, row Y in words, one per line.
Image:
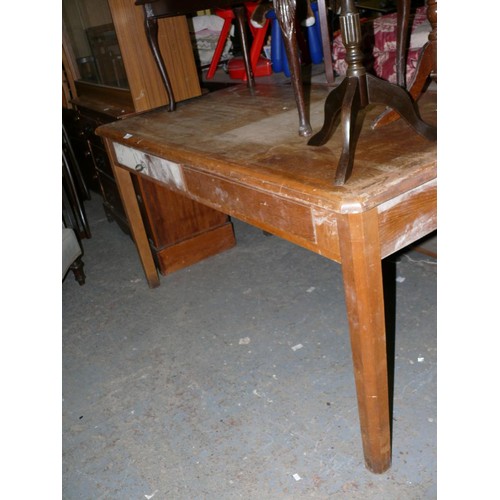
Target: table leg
column 241, row 20
column 403, row 16
column 325, row 39
column 285, row 11
column 362, row 271
column 151, row 28
column 127, row 193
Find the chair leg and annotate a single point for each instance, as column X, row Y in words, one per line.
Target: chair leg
column 325, row 39
column 77, row 268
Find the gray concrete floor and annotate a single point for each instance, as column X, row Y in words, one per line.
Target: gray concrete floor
column 235, row 375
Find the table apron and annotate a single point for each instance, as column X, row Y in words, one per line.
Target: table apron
column 305, row 224
column 399, row 225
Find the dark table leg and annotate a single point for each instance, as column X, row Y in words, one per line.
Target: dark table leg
column 403, row 7
column 151, row 27
column 326, row 41
column 285, row 13
column 241, row 19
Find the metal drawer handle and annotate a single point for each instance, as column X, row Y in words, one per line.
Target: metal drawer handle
column 140, row 167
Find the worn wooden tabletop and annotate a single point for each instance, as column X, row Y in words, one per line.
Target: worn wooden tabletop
column 233, row 133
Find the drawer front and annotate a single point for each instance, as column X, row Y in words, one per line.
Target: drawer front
column 101, row 159
column 165, row 171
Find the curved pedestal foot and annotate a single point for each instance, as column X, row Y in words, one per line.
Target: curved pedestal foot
column 352, row 95
column 423, row 72
column 398, row 99
column 333, row 105
column 350, row 109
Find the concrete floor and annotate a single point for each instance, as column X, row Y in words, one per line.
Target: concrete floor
column 233, row 379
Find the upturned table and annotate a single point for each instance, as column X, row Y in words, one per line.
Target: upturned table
column 237, row 150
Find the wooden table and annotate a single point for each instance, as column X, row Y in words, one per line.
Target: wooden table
column 238, row 152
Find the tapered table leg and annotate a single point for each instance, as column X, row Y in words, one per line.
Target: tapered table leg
column 127, row 194
column 362, row 270
column 403, row 21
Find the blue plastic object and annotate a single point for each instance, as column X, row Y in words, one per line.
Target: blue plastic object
column 314, row 37
column 278, row 54
column 277, row 47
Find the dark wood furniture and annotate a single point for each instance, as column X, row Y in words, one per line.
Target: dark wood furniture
column 159, row 9
column 74, row 191
column 91, row 111
column 358, row 90
column 354, row 94
column 243, row 159
column 349, row 99
column 286, row 15
column 427, row 63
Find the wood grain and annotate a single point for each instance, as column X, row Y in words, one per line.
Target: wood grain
column 144, row 80
column 362, row 270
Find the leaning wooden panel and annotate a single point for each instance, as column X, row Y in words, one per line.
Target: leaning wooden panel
column 144, row 79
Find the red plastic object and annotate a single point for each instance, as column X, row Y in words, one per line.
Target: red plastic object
column 236, row 68
column 228, row 16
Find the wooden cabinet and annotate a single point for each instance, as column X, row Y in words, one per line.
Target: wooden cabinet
column 197, row 233
column 90, row 111
column 181, row 232
column 79, row 131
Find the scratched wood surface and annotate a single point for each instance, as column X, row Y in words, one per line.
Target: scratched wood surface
column 252, row 139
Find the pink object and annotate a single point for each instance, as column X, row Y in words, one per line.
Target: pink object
column 379, row 46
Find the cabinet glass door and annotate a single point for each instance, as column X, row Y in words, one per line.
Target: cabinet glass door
column 89, row 28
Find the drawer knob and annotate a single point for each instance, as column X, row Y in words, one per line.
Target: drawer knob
column 139, row 167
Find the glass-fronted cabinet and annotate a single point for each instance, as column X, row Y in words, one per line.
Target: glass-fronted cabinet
column 88, row 26
column 105, row 46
